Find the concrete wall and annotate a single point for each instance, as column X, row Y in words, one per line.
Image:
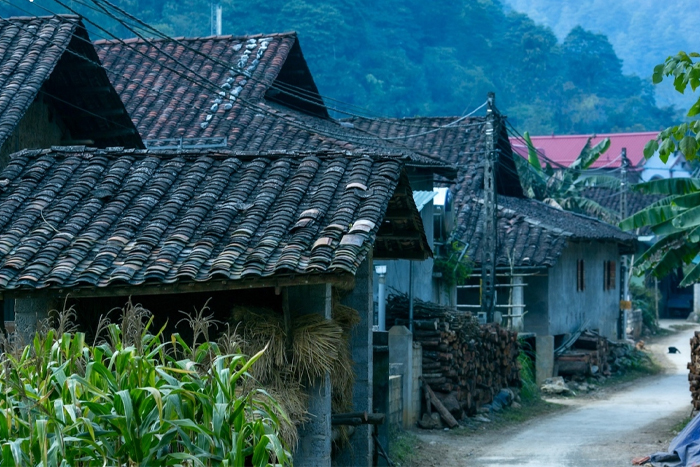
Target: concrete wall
column 395, row 415
column 414, row 410
column 536, row 294
column 569, row 309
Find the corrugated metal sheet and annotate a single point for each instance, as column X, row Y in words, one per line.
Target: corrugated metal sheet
column 421, row 198
column 564, row 149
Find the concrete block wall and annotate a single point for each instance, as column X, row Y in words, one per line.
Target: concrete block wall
column 395, row 415
column 414, row 410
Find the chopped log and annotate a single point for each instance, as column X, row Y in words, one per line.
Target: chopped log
column 444, row 413
column 357, row 418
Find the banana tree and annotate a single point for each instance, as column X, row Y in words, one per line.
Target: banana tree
column 675, row 219
column 564, row 188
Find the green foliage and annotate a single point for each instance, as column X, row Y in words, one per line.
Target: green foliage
column 643, row 299
column 684, row 69
column 138, row 399
column 453, row 265
column 564, row 188
column 407, row 58
column 529, row 390
column 675, row 219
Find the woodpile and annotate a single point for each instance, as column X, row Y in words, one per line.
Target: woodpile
column 589, row 355
column 464, row 364
column 694, row 370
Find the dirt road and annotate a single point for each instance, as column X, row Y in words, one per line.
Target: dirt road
column 609, row 431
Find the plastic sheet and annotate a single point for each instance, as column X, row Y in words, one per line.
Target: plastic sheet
column 684, row 450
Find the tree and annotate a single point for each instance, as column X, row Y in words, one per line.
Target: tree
column 675, row 219
column 685, row 137
column 563, row 188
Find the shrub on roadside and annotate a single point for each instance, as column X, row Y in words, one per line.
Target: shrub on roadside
column 529, row 390
column 135, row 399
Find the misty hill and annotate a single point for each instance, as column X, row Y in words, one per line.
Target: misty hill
column 409, row 57
column 643, row 33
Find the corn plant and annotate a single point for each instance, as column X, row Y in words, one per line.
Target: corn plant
column 130, row 402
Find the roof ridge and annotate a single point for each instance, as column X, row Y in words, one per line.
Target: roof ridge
column 29, row 18
column 228, row 37
column 114, row 151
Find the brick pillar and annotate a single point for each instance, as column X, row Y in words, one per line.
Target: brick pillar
column 314, row 449
column 361, row 444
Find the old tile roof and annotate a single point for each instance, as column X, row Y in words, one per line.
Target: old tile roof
column 73, row 216
column 173, row 90
column 610, row 199
column 461, row 144
column 53, row 55
column 530, row 233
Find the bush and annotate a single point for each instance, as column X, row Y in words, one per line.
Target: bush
column 529, row 390
column 643, row 299
column 135, row 399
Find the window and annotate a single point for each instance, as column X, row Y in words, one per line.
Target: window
column 580, row 276
column 609, row 268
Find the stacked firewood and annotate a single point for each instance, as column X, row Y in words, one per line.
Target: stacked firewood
column 694, row 367
column 589, row 355
column 462, row 360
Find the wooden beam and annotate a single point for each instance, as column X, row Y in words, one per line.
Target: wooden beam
column 113, row 133
column 63, row 90
column 344, row 281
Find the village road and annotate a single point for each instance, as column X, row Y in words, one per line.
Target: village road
column 609, row 431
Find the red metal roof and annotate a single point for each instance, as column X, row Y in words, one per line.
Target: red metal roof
column 564, row 149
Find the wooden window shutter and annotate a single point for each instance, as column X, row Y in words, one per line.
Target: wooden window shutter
column 611, row 274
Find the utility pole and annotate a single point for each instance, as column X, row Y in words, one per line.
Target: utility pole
column 490, row 241
column 216, row 23
column 624, row 267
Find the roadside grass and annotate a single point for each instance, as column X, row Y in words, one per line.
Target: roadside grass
column 682, row 327
column 678, row 427
column 535, row 408
column 404, row 447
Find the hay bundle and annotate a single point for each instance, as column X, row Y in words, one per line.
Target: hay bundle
column 315, row 346
column 318, row 345
column 260, row 327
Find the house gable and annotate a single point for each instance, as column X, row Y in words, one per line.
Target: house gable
column 50, row 75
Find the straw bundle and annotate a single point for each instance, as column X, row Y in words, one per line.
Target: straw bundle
column 315, row 346
column 318, row 346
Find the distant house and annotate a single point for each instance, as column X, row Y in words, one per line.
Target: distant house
column 53, row 90
column 564, row 149
column 562, row 268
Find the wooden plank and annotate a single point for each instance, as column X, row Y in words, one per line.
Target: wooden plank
column 444, row 413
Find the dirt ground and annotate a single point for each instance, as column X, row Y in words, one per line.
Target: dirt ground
column 607, row 428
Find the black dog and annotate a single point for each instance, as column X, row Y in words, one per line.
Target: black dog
column 673, row 350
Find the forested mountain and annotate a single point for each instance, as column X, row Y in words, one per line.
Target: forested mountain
column 643, row 32
column 410, row 57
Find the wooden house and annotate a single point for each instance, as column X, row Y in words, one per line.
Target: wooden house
column 173, row 228
column 557, row 271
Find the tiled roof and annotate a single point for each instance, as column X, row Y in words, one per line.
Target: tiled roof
column 611, row 199
column 53, row 55
column 530, row 233
column 74, row 216
column 564, row 149
column 461, row 144
column 167, row 88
